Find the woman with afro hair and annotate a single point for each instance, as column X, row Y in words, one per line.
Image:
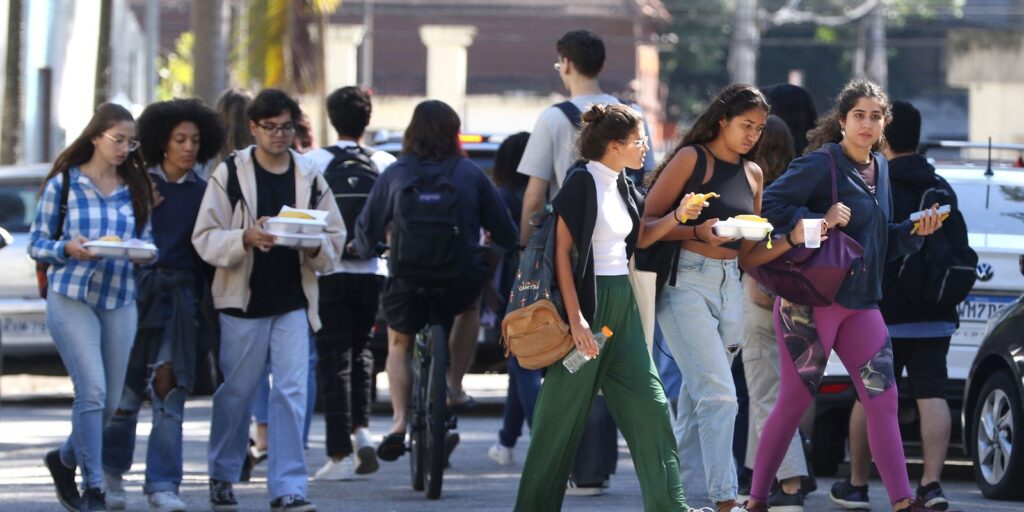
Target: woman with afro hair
column 176, row 137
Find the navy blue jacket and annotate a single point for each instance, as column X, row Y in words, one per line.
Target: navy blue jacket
column 479, row 206
column 805, row 191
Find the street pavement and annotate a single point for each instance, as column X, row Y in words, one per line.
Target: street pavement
column 28, row 428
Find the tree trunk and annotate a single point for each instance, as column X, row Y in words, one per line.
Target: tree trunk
column 877, row 66
column 209, row 54
column 103, row 57
column 10, row 131
column 860, row 53
column 745, row 43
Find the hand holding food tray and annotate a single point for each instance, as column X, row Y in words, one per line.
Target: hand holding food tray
column 113, row 247
column 299, row 229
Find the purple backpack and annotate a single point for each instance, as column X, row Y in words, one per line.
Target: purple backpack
column 812, row 277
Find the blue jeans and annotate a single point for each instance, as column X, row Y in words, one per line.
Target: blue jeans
column 260, row 403
column 702, row 320
column 523, row 387
column 94, row 345
column 246, row 346
column 164, row 448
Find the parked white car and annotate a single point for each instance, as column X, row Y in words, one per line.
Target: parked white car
column 22, row 312
column 992, row 203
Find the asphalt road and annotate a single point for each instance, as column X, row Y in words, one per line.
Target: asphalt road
column 474, row 483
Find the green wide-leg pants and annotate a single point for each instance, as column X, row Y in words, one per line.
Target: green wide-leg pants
column 625, row 373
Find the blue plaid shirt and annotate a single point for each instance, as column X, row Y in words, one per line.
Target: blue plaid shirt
column 104, row 283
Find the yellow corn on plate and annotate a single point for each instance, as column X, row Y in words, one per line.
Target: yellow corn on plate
column 295, row 215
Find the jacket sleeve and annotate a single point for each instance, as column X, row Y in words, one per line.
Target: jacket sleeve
column 334, row 233
column 373, row 220
column 214, row 238
column 901, row 241
column 785, row 200
column 42, row 247
column 494, row 216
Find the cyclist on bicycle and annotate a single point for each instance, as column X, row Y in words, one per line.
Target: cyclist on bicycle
column 436, row 202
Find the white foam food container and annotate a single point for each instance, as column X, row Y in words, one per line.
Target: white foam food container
column 133, row 249
column 297, row 240
column 312, row 226
column 739, row 228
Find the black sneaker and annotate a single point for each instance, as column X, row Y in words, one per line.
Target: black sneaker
column 849, row 496
column 932, row 497
column 292, row 503
column 781, row 502
column 451, row 440
column 93, row 500
column 392, row 447
column 63, row 481
column 222, row 496
column 808, row 484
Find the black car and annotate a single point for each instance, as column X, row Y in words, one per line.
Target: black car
column 993, row 416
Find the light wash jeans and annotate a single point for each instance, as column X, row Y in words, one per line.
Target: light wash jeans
column 164, row 447
column 245, row 347
column 761, row 366
column 260, row 404
column 94, row 345
column 702, row 320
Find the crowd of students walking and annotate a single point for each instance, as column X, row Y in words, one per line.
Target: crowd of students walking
column 201, row 185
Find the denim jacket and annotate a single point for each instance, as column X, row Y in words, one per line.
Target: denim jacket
column 805, row 191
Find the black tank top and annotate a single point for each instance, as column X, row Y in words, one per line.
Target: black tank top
column 730, row 181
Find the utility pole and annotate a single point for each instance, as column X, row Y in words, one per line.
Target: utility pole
column 366, row 56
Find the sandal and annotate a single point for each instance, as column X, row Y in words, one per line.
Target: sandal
column 392, row 447
column 461, row 403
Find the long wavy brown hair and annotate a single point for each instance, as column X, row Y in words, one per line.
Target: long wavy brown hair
column 132, row 171
column 727, row 104
column 828, row 128
column 775, row 149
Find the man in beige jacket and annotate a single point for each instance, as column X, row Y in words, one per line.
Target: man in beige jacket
column 267, row 297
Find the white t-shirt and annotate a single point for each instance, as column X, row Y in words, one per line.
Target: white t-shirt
column 321, row 158
column 551, row 150
column 613, row 223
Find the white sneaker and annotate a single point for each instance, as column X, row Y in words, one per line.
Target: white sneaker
column 331, row 471
column 366, row 453
column 500, row 454
column 571, row 489
column 165, row 501
column 117, row 499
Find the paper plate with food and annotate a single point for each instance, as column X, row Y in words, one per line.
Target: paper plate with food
column 297, row 240
column 748, row 227
column 111, row 246
column 295, row 220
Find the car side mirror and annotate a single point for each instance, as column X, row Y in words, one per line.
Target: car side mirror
column 1021, row 261
column 6, row 239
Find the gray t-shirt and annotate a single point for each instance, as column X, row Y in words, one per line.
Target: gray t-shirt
column 551, row 150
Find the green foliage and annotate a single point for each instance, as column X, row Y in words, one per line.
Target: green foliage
column 176, row 71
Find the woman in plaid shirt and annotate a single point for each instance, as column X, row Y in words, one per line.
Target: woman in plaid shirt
column 90, row 307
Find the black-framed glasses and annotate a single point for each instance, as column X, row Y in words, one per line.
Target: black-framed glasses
column 132, row 144
column 283, row 129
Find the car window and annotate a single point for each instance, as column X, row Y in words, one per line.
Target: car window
column 993, row 211
column 17, row 207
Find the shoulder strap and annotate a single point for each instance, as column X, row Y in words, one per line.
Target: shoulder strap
column 335, row 151
column 234, row 187
column 62, row 210
column 835, row 179
column 314, row 192
column 571, row 111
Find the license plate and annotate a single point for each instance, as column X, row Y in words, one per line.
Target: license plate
column 22, row 326
column 979, row 308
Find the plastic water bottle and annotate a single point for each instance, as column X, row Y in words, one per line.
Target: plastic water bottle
column 576, row 359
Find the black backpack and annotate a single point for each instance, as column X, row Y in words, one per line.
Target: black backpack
column 943, row 272
column 351, row 175
column 426, row 242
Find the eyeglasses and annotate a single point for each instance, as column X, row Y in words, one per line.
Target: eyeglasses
column 121, row 141
column 641, row 142
column 283, row 129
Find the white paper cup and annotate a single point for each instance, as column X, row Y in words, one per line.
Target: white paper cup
column 812, row 233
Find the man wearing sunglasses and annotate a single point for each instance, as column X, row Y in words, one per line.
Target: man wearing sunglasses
column 267, row 296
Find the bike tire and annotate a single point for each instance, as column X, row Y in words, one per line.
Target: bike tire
column 417, row 416
column 437, row 410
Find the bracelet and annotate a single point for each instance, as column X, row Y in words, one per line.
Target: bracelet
column 696, row 236
column 675, row 211
column 790, row 240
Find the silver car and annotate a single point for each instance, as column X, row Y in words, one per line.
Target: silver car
column 22, row 312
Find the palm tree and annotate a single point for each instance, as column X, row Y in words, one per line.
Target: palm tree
column 10, row 126
column 103, row 56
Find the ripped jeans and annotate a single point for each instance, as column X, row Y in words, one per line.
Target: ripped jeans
column 164, row 448
column 702, row 321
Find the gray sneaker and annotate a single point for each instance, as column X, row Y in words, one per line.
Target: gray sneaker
column 117, row 498
column 165, row 501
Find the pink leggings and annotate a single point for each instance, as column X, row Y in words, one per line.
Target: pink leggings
column 861, row 340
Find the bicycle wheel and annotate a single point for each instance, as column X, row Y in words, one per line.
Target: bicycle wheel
column 437, row 410
column 417, row 415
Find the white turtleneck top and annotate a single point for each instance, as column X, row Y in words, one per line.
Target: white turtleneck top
column 613, row 223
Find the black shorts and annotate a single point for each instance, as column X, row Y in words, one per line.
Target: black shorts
column 925, row 361
column 406, row 310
